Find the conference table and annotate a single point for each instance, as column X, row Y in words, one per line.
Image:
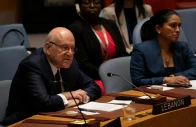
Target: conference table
column 183, row 117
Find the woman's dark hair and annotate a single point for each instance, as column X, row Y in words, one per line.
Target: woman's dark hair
column 148, row 30
column 80, row 2
column 119, row 5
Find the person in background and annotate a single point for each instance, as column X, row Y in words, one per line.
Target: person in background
column 163, row 59
column 126, row 14
column 35, row 88
column 97, row 39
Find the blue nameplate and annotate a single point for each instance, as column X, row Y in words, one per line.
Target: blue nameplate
column 171, row 105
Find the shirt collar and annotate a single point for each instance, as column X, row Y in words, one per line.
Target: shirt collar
column 54, row 69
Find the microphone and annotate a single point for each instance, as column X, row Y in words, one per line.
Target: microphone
column 111, row 74
column 158, row 102
column 59, row 82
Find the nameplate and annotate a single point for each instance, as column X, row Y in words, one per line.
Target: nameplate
column 171, row 105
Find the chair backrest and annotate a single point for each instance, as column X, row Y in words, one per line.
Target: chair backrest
column 120, row 66
column 188, row 19
column 137, row 33
column 10, row 57
column 13, row 35
column 4, row 95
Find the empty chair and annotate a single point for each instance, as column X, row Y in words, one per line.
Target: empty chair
column 4, row 94
column 10, row 57
column 13, row 35
column 120, row 66
column 139, row 34
column 188, row 18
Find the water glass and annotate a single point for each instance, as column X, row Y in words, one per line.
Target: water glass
column 129, row 111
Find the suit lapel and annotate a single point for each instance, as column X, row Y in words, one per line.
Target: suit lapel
column 177, row 57
column 47, row 71
column 156, row 61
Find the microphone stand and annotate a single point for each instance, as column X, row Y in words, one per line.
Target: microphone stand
column 153, row 101
column 111, row 74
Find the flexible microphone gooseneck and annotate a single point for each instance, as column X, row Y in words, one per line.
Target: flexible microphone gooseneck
column 111, row 74
column 59, row 82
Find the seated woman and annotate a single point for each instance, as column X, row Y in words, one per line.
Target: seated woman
column 163, row 59
column 126, row 14
column 97, row 39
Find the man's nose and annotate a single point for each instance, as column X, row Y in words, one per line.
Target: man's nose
column 70, row 51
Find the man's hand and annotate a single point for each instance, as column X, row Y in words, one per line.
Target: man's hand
column 81, row 95
column 72, row 103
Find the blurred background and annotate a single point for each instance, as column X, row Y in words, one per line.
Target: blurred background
column 40, row 16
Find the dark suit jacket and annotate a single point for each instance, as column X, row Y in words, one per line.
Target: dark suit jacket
column 32, row 91
column 147, row 65
column 89, row 55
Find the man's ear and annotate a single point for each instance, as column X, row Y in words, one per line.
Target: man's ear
column 47, row 46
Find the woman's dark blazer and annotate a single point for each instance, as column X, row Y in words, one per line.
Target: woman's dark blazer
column 147, row 65
column 89, row 55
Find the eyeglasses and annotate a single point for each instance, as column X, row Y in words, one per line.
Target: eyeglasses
column 65, row 48
column 88, row 2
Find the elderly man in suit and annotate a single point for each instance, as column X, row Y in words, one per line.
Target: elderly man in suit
column 34, row 88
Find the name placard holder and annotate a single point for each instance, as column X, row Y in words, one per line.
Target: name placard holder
column 171, row 105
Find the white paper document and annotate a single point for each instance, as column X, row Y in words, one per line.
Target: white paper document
column 120, row 102
column 193, row 83
column 100, row 106
column 145, row 97
column 165, row 88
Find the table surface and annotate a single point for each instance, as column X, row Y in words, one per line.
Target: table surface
column 183, row 117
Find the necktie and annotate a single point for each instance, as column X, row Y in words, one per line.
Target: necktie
column 58, row 84
column 59, row 78
column 62, row 85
